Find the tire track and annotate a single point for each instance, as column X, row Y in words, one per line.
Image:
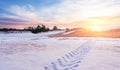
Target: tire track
column 71, row 60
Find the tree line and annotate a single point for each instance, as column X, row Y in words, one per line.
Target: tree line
column 10, row 29
column 37, row 29
column 41, row 28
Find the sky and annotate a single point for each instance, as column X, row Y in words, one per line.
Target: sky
column 61, row 13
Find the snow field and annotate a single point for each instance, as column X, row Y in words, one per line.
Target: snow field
column 71, row 60
column 28, row 51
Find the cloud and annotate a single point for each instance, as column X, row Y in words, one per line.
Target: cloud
column 11, row 21
column 75, row 10
column 72, row 10
column 23, row 11
column 15, row 23
column 66, row 12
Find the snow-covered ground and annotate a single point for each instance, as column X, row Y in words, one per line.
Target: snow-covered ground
column 26, row 51
column 104, row 55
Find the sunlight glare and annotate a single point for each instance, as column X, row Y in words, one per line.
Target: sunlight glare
column 96, row 28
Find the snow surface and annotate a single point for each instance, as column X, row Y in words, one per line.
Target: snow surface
column 68, row 32
column 26, row 51
column 105, row 55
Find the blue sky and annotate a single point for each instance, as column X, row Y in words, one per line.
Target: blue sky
column 35, row 3
column 5, row 12
column 62, row 13
column 4, row 4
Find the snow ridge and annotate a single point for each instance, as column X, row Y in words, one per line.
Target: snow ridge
column 71, row 60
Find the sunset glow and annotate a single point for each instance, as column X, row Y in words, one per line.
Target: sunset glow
column 62, row 13
column 96, row 24
column 96, row 28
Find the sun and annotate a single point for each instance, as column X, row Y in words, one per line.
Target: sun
column 96, row 24
column 96, row 28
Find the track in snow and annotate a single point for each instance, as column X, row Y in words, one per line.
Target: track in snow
column 71, row 60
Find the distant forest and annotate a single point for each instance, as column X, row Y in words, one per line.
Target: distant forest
column 37, row 29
